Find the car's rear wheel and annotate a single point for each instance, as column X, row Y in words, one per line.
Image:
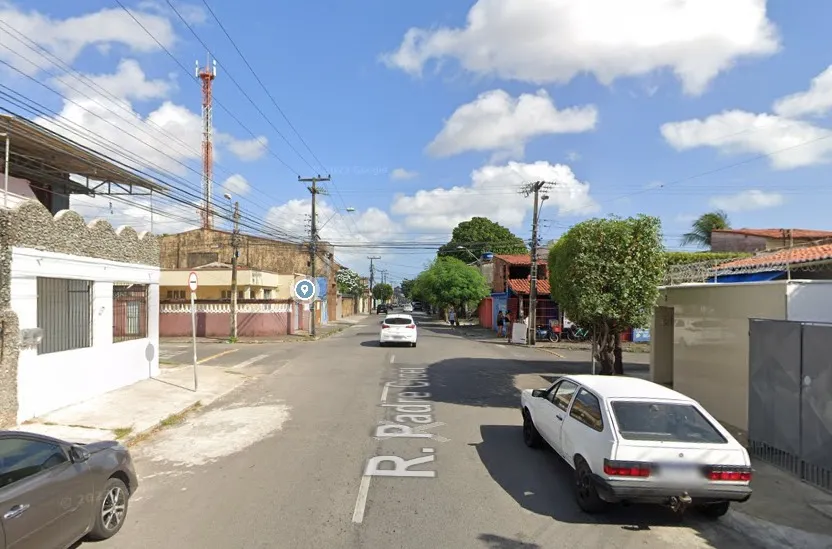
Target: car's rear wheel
column 112, row 510
column 586, row 493
column 714, row 510
column 530, row 435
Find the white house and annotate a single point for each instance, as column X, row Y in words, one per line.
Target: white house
column 81, row 302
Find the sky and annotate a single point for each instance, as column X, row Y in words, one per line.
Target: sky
column 428, row 113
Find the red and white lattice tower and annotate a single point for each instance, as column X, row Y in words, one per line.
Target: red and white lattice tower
column 207, row 75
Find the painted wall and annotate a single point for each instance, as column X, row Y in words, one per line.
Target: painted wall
column 19, row 191
column 29, row 232
column 710, row 341
column 215, row 292
column 809, row 301
column 175, row 321
column 51, row 381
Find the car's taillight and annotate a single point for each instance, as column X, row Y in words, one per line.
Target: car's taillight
column 626, row 469
column 729, row 473
column 384, row 326
column 411, row 326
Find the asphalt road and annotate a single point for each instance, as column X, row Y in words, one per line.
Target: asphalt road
column 281, row 462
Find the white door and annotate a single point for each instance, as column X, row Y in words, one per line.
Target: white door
column 557, row 404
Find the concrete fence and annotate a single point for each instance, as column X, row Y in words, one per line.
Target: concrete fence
column 255, row 318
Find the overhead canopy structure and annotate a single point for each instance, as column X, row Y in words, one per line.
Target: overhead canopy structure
column 44, row 157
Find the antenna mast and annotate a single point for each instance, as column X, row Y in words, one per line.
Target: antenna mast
column 207, row 75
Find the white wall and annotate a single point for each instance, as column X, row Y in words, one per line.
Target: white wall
column 51, row 381
column 809, row 301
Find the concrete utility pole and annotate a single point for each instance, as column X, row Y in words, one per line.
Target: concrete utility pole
column 534, row 189
column 6, row 175
column 383, row 276
column 313, row 244
column 372, row 277
column 235, row 244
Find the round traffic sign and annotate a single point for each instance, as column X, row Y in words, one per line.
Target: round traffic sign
column 192, row 281
column 305, row 290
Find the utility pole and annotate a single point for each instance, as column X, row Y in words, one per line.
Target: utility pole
column 313, row 244
column 6, row 175
column 372, row 277
column 383, row 276
column 534, row 189
column 235, row 244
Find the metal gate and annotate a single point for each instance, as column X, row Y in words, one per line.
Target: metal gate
column 789, row 404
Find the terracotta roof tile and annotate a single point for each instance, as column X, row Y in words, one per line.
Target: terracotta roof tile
column 806, row 254
column 523, row 286
column 519, row 259
column 779, row 233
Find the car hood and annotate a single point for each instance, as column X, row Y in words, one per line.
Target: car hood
column 95, row 447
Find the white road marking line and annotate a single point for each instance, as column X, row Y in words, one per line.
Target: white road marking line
column 384, row 393
column 249, row 362
column 392, row 359
column 361, row 500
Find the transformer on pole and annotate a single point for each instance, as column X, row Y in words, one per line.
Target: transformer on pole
column 207, row 75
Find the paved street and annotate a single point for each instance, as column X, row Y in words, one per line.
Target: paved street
column 279, row 463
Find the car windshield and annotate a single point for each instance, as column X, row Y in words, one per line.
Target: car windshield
column 665, row 422
column 398, row 320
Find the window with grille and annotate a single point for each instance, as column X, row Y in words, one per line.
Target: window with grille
column 129, row 312
column 176, row 294
column 64, row 314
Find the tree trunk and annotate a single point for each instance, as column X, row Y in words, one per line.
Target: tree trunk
column 618, row 365
column 605, row 341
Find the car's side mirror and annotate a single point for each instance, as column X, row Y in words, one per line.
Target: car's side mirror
column 78, row 454
column 539, row 393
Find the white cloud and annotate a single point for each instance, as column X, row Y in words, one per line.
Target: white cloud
column 790, row 143
column 493, row 193
column 496, row 121
column 168, row 215
column 554, row 40
column 747, row 201
column 246, row 150
column 67, row 38
column 360, row 228
column 573, row 156
column 166, row 139
column 817, row 100
column 192, row 13
column 400, row 174
column 236, row 185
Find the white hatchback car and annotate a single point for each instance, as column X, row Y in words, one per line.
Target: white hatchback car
column 408, row 308
column 630, row 440
column 398, row 328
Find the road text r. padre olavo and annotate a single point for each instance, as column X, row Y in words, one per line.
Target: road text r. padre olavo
column 408, row 398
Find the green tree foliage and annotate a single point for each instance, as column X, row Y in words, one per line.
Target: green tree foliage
column 605, row 274
column 382, row 292
column 407, row 287
column 450, row 282
column 349, row 283
column 684, row 258
column 480, row 235
column 700, row 231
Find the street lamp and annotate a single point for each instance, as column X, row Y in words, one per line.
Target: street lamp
column 348, row 210
column 477, row 259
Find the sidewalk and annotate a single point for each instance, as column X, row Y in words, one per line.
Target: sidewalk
column 128, row 413
column 783, row 512
column 301, row 335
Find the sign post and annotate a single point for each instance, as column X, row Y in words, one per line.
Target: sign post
column 193, row 284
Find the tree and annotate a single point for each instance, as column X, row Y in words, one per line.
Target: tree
column 407, row 287
column 605, row 274
column 700, row 232
column 450, row 282
column 349, row 283
column 382, row 292
column 480, row 235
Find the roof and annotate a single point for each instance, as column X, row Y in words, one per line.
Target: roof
column 626, row 387
column 524, row 286
column 778, row 233
column 519, row 260
column 39, row 153
column 803, row 254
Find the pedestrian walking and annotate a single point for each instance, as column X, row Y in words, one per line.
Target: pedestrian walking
column 508, row 326
column 501, row 319
column 452, row 317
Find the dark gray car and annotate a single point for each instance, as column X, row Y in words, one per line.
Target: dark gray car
column 54, row 493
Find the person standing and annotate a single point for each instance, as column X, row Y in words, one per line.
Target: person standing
column 500, row 323
column 508, row 326
column 452, row 317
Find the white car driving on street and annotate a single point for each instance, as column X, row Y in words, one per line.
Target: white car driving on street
column 408, row 308
column 631, row 440
column 398, row 328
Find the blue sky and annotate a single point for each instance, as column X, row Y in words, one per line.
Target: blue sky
column 622, row 136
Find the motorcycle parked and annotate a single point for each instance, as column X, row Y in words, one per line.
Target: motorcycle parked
column 547, row 332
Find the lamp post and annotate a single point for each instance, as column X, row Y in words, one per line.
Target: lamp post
column 477, row 259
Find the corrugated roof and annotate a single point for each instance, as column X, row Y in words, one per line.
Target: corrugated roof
column 778, row 233
column 519, row 259
column 806, row 254
column 523, row 286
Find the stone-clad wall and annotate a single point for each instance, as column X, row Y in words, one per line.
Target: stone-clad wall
column 30, row 225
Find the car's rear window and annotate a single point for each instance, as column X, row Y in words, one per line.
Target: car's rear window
column 665, row 422
column 398, row 320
